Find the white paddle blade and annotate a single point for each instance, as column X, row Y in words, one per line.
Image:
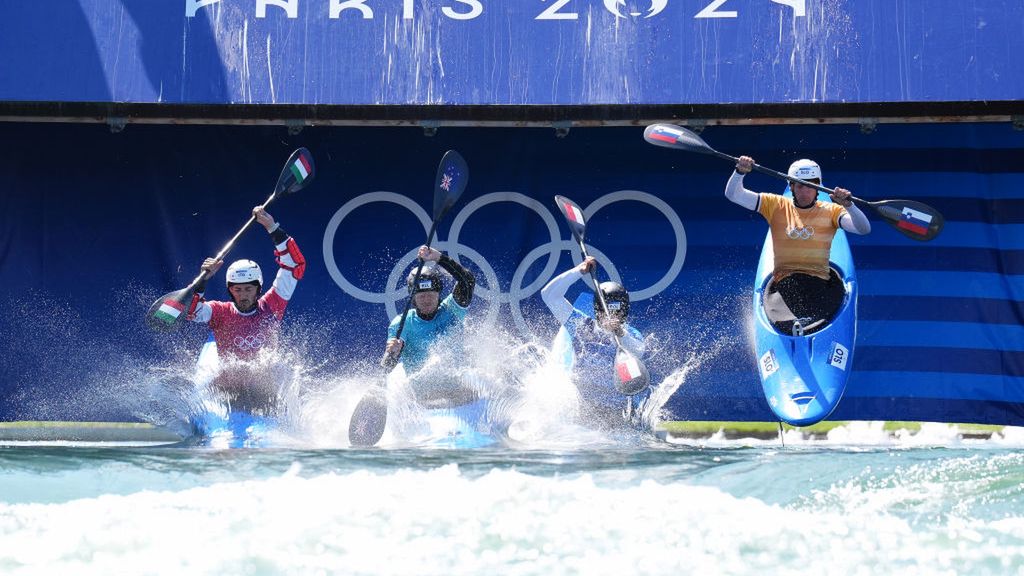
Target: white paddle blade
column 631, row 376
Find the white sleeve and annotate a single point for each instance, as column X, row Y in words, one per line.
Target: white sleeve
column 735, row 192
column 285, row 282
column 554, row 294
column 203, row 313
column 855, row 221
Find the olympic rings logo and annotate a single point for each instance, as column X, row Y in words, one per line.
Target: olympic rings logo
column 801, row 233
column 250, row 342
column 490, row 289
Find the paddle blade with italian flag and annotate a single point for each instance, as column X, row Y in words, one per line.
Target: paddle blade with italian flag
column 297, row 173
column 573, row 216
column 631, row 376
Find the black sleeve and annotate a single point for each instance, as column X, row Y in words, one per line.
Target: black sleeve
column 464, row 280
column 278, row 236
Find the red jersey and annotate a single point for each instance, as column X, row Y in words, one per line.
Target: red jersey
column 243, row 335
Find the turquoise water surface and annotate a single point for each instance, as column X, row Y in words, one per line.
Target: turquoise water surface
column 860, row 502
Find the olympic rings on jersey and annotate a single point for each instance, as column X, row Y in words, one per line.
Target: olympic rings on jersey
column 250, row 342
column 801, row 233
column 491, row 289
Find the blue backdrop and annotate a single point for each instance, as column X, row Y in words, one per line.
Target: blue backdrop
column 501, row 52
column 96, row 225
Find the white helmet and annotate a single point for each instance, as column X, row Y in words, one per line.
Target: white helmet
column 243, row 272
column 805, row 169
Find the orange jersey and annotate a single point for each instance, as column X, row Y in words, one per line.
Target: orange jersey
column 801, row 237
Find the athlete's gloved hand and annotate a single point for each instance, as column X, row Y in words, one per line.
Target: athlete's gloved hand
column 613, row 325
column 393, row 348
column 428, row 254
column 264, row 218
column 588, row 265
column 210, row 266
column 842, row 197
column 744, row 164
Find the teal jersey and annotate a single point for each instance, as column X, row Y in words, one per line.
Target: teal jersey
column 419, row 335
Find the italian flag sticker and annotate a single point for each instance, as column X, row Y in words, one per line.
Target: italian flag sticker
column 169, row 311
column 628, row 368
column 300, row 168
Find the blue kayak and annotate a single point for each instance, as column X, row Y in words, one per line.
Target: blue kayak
column 804, row 376
column 215, row 425
column 463, row 427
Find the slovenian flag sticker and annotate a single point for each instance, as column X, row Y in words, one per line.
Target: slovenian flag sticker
column 660, row 133
column 169, row 311
column 628, row 368
column 574, row 213
column 914, row 221
column 300, row 168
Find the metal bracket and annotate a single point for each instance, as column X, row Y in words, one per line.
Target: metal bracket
column 116, row 123
column 562, row 128
column 697, row 124
column 430, row 127
column 295, row 126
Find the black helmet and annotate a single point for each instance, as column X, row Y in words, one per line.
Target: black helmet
column 616, row 298
column 429, row 281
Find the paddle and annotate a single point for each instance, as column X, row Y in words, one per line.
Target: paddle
column 166, row 313
column 913, row 219
column 630, row 373
column 370, row 416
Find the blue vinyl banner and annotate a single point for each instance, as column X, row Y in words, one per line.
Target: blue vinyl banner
column 97, row 225
column 501, row 52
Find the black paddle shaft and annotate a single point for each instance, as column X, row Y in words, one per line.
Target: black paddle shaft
column 927, row 226
column 391, row 360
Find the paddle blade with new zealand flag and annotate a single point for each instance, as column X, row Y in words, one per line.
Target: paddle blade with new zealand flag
column 452, row 177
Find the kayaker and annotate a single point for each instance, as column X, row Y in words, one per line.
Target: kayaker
column 802, row 228
column 250, row 322
column 433, row 321
column 592, row 341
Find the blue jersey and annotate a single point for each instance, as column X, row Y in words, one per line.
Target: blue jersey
column 419, row 334
column 592, row 358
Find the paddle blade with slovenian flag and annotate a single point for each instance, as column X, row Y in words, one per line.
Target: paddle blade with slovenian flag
column 297, row 173
column 913, row 219
column 672, row 136
column 573, row 217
